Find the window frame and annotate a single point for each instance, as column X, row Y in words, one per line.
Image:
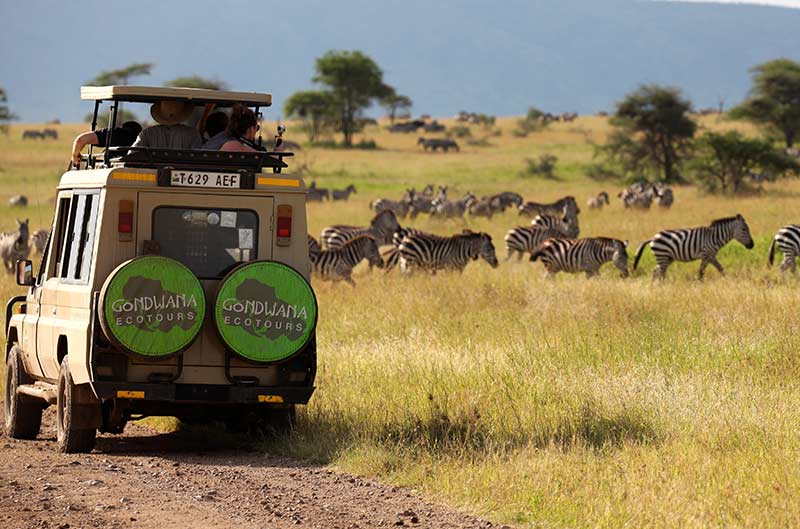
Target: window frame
column 78, row 250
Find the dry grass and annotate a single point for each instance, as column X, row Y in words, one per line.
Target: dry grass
column 565, row 403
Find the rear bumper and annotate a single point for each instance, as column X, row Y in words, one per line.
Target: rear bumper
column 203, row 393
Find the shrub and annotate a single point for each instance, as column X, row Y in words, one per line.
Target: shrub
column 544, row 167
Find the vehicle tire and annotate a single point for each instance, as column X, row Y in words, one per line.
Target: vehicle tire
column 70, row 439
column 23, row 415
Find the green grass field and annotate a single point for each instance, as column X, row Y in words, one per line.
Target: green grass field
column 563, row 403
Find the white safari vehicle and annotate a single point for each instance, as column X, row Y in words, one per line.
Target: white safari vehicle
column 174, row 282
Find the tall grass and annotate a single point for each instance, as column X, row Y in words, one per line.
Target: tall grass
column 548, row 403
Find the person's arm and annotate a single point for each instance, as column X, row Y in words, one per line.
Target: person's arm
column 81, row 141
column 236, row 146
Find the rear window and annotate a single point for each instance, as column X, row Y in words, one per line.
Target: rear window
column 208, row 241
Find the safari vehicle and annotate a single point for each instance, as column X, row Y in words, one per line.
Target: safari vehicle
column 174, row 282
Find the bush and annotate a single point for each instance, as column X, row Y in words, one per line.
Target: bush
column 544, row 167
column 533, row 121
column 459, row 131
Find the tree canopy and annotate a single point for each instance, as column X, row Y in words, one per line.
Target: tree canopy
column 195, row 81
column 121, row 75
column 395, row 103
column 354, row 81
column 5, row 113
column 774, row 99
column 725, row 160
column 653, row 132
column 314, row 108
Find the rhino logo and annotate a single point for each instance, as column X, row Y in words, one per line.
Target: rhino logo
column 146, row 305
column 257, row 310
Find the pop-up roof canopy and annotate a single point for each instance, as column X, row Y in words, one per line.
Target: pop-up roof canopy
column 152, row 94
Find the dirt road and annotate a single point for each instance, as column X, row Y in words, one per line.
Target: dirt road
column 147, row 479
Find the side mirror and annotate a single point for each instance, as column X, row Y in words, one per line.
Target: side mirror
column 25, row 273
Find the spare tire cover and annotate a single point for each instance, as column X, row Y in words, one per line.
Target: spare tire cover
column 265, row 311
column 152, row 306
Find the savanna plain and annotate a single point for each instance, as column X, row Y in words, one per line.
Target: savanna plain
column 548, row 403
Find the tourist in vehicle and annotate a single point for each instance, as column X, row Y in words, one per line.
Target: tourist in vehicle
column 170, row 133
column 215, row 126
column 242, row 129
column 123, row 136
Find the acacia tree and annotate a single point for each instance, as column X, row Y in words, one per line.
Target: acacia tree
column 653, row 132
column 5, row 113
column 354, row 81
column 314, row 108
column 774, row 99
column 395, row 103
column 122, row 75
column 724, row 160
column 195, row 81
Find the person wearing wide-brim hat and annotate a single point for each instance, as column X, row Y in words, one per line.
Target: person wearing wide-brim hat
column 170, row 133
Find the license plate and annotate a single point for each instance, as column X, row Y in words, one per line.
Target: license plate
column 205, row 179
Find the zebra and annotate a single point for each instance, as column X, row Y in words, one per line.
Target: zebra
column 453, row 208
column 598, row 201
column 399, row 207
column 504, row 200
column 14, row 246
column 391, row 257
column 337, row 265
column 565, row 206
column 481, row 208
column 421, row 202
column 38, row 241
column 381, row 228
column 433, row 253
column 313, row 248
column 319, row 193
column 526, row 239
column 567, row 225
column 788, row 241
column 695, row 243
column 582, row 255
column 344, row 194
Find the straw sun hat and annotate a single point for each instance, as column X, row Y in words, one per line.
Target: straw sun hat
column 171, row 112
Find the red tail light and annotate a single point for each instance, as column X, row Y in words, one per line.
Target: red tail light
column 284, row 225
column 125, row 220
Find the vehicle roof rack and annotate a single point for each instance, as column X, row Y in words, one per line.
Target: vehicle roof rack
column 149, row 157
column 153, row 94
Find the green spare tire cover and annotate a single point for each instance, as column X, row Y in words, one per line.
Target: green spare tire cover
column 265, row 311
column 152, row 306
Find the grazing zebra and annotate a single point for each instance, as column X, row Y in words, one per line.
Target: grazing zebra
column 399, row 207
column 563, row 206
column 453, row 208
column 39, row 240
column 788, row 241
column 695, row 243
column 526, row 239
column 14, row 246
column 582, row 255
column 391, row 256
column 381, row 228
column 598, row 201
column 567, row 225
column 506, row 199
column 313, row 248
column 318, row 193
column 421, row 202
column 344, row 194
column 337, row 265
column 432, row 252
column 481, row 208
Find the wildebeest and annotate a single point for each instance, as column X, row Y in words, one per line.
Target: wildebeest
column 407, row 126
column 433, row 144
column 50, row 133
column 14, row 246
column 434, row 126
column 18, row 201
column 32, row 135
column 344, row 194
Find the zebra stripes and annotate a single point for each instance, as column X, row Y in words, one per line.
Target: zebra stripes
column 381, row 228
column 788, row 241
column 566, row 224
column 582, row 255
column 566, row 206
column 432, row 252
column 337, row 265
column 526, row 239
column 695, row 243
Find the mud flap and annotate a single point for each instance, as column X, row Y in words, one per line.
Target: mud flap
column 89, row 414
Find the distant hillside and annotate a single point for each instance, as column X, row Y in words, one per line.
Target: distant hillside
column 448, row 56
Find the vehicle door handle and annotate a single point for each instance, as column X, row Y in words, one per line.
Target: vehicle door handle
column 54, row 311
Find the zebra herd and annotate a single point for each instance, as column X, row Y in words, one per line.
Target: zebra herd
column 551, row 238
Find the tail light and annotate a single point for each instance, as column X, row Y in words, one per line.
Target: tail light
column 284, row 225
column 125, row 221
